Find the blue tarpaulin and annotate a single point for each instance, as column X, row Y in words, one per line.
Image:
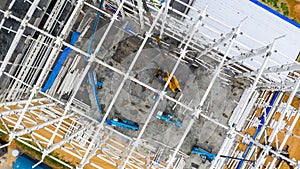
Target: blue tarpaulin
column 26, row 162
column 63, row 56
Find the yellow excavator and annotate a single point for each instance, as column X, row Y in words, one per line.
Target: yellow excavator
column 164, row 75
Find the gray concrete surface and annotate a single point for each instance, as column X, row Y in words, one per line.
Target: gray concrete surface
column 135, row 103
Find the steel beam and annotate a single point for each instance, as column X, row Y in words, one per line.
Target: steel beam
column 250, row 54
column 215, row 44
column 141, row 15
column 286, row 137
column 290, row 67
column 164, row 19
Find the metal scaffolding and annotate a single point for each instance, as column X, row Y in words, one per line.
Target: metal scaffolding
column 31, row 116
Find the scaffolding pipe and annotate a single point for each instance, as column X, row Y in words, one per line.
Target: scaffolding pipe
column 276, row 129
column 18, row 36
column 141, row 16
column 164, row 18
column 287, row 135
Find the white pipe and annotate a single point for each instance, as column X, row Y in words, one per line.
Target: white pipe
column 164, row 20
column 276, row 129
column 141, row 15
column 18, row 35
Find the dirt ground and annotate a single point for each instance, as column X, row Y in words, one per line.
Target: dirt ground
column 294, row 8
column 9, row 159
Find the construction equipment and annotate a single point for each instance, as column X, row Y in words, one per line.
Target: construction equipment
column 169, row 117
column 164, row 75
column 99, row 84
column 123, row 123
column 205, row 155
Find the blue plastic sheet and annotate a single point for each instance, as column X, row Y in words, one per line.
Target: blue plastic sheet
column 62, row 58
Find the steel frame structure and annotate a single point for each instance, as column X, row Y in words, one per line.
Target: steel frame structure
column 26, row 115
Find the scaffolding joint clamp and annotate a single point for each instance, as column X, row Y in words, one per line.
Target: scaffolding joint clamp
column 183, row 52
column 7, row 14
column 161, row 95
column 197, row 112
column 92, row 57
column 35, row 88
column 148, row 34
column 68, row 107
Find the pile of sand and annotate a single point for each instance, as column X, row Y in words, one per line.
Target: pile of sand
column 297, row 11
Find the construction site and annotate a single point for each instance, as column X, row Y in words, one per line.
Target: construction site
column 148, row 84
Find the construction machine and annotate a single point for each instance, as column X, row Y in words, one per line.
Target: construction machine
column 164, row 76
column 169, row 117
column 123, row 123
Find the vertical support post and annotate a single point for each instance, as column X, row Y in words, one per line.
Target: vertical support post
column 253, row 86
column 291, row 97
column 84, row 159
column 287, row 136
column 141, row 15
column 7, row 12
column 164, row 18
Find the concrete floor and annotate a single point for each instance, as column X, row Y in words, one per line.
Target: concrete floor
column 135, row 103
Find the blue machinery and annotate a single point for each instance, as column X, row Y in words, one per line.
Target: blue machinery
column 99, row 84
column 262, row 122
column 169, row 118
column 127, row 124
column 205, row 155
